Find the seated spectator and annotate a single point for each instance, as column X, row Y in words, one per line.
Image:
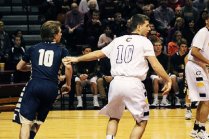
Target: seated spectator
column 106, row 37
column 86, row 75
column 92, row 6
column 189, row 31
column 84, row 5
column 5, row 44
column 93, row 29
column 189, row 12
column 118, row 25
column 74, row 32
column 157, row 81
column 18, row 32
column 178, row 65
column 15, row 55
column 179, row 25
column 173, row 44
column 163, row 15
column 104, row 79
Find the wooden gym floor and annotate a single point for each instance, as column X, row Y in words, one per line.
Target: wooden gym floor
column 163, row 124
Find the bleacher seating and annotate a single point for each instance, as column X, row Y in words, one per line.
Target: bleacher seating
column 9, row 94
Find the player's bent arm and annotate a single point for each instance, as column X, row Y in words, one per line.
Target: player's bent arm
column 23, row 66
column 195, row 52
column 158, row 68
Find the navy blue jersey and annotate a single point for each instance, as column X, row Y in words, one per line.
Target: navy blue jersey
column 45, row 58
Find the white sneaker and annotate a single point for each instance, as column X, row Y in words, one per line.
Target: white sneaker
column 165, row 103
column 202, row 135
column 188, row 115
column 155, row 103
column 96, row 103
column 80, row 104
column 193, row 133
column 177, row 102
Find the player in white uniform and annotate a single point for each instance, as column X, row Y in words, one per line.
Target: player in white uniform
column 197, row 79
column 128, row 56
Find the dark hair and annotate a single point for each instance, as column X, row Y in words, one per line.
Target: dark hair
column 155, row 39
column 182, row 41
column 136, row 20
column 84, row 47
column 49, row 29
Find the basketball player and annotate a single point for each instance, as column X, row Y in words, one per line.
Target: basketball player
column 197, row 79
column 128, row 57
column 42, row 90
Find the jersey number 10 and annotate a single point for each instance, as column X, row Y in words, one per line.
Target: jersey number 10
column 124, row 55
column 46, row 57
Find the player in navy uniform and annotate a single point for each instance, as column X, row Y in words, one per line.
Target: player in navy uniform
column 42, row 90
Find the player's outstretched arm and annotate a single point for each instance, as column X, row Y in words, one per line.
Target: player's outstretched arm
column 158, row 68
column 87, row 57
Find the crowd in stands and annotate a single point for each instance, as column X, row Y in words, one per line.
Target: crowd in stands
column 90, row 25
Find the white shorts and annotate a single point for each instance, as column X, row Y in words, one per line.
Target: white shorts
column 88, row 81
column 198, row 83
column 24, row 120
column 127, row 92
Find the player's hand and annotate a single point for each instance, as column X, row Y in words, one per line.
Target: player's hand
column 65, row 89
column 167, row 87
column 69, row 59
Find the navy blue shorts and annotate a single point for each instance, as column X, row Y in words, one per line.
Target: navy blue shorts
column 37, row 99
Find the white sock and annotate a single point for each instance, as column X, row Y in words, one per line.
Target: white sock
column 164, row 97
column 79, row 98
column 109, row 137
column 95, row 97
column 155, row 96
column 201, row 124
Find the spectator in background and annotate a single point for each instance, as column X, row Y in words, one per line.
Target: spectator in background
column 201, row 21
column 74, row 21
column 86, row 5
column 91, row 8
column 163, row 16
column 86, row 75
column 157, row 81
column 200, row 5
column 108, row 9
column 104, row 79
column 178, row 26
column 189, row 31
column 19, row 33
column 106, row 37
column 173, row 47
column 15, row 53
column 5, row 44
column 118, row 25
column 93, row 29
column 178, row 65
column 189, row 11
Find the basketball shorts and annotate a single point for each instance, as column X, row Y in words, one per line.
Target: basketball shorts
column 35, row 101
column 127, row 92
column 197, row 81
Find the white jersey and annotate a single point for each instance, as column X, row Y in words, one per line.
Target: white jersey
column 127, row 56
column 201, row 41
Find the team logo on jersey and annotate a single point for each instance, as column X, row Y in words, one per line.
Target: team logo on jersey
column 128, row 39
